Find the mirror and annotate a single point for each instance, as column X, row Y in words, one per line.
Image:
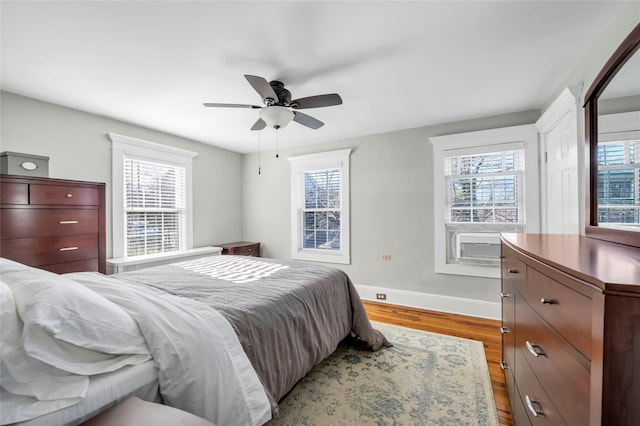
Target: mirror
column 612, row 132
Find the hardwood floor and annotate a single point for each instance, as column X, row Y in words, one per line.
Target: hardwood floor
column 485, row 330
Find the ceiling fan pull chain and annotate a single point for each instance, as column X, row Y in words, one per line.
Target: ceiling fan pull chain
column 277, row 156
column 259, row 162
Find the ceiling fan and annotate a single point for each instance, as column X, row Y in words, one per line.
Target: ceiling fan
column 279, row 109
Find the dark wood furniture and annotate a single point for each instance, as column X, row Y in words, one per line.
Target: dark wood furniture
column 571, row 330
column 241, row 248
column 620, row 57
column 53, row 224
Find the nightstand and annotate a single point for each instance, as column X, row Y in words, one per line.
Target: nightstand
column 241, row 248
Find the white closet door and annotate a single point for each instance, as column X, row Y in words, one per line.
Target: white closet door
column 561, row 182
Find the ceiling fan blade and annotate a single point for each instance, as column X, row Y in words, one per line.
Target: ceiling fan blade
column 259, row 125
column 307, row 120
column 217, row 105
column 317, row 101
column 263, row 88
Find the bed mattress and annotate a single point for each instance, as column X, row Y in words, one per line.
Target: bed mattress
column 105, row 390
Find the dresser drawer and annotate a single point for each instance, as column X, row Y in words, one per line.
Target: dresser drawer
column 558, row 366
column 518, row 410
column 49, row 250
column 534, row 398
column 63, row 195
column 77, row 266
column 566, row 310
column 513, row 269
column 28, row 223
column 14, row 193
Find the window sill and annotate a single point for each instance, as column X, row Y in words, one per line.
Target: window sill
column 469, row 270
column 320, row 256
column 124, row 264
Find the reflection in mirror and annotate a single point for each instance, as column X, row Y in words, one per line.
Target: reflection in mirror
column 618, row 150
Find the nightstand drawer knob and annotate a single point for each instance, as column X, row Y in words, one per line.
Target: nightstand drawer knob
column 69, row 195
column 546, row 301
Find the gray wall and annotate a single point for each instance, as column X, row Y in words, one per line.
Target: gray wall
column 391, row 207
column 79, row 148
column 392, row 191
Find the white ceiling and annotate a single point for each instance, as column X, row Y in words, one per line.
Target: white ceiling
column 396, row 64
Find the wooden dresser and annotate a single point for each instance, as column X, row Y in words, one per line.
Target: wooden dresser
column 571, row 330
column 53, row 224
column 241, row 248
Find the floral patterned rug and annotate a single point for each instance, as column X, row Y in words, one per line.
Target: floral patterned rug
column 425, row 379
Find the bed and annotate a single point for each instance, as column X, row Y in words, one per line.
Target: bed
column 223, row 337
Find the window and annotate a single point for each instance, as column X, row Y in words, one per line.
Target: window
column 480, row 189
column 151, row 198
column 320, row 207
column 618, row 181
column 155, row 207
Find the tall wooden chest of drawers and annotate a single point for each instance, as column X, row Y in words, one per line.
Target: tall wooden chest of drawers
column 571, row 330
column 53, row 224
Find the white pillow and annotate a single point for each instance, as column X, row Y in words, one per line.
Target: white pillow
column 30, row 388
column 69, row 326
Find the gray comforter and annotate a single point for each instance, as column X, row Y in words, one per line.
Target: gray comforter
column 288, row 315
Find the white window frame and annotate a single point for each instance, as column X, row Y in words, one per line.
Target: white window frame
column 485, row 141
column 614, row 128
column 126, row 146
column 312, row 162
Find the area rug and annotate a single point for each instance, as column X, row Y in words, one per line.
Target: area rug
column 424, row 379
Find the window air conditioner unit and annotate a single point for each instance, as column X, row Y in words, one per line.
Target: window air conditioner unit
column 476, row 245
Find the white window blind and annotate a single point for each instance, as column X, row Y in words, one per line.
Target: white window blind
column 619, row 182
column 322, row 209
column 485, row 188
column 155, row 207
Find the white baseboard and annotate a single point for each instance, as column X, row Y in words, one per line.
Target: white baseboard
column 433, row 302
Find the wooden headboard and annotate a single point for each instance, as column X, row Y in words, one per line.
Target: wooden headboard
column 53, row 224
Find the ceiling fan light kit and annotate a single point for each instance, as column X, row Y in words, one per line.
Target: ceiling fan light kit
column 279, row 108
column 276, row 116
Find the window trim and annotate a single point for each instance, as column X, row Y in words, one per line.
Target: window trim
column 492, row 140
column 122, row 146
column 324, row 160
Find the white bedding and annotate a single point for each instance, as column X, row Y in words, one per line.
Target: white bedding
column 104, row 391
column 201, row 366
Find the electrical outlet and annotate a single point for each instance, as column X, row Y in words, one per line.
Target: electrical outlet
column 386, row 256
column 381, row 296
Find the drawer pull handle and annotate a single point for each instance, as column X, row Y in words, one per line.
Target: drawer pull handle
column 504, row 330
column 69, row 195
column 536, row 350
column 68, row 222
column 504, row 365
column 513, row 271
column 531, row 405
column 546, row 301
column 67, row 248
column 504, row 294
